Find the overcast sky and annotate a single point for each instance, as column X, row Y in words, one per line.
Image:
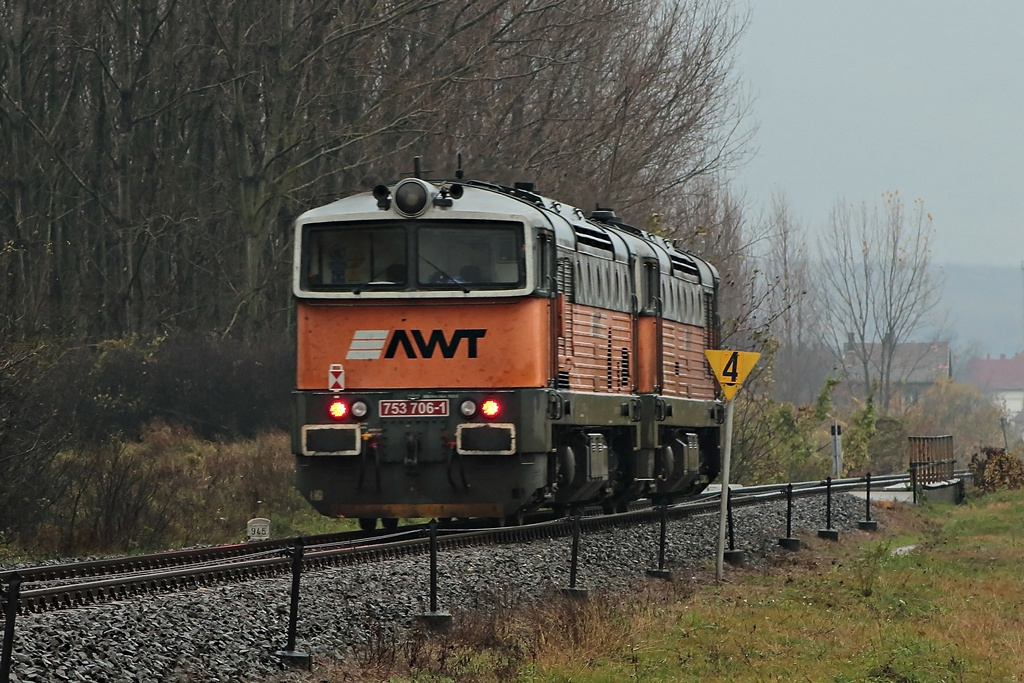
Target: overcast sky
column 852, row 99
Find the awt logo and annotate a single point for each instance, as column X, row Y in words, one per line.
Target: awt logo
column 369, row 344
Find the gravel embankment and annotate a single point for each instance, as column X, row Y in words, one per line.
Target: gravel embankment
column 229, row 633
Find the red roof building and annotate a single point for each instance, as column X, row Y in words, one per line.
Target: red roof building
column 1002, row 380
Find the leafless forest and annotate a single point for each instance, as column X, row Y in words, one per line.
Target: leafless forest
column 155, row 153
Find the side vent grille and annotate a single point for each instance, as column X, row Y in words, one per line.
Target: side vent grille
column 681, row 264
column 565, row 280
column 592, row 237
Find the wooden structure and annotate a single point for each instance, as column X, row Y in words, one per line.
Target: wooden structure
column 931, row 459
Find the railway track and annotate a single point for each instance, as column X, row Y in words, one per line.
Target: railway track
column 70, row 585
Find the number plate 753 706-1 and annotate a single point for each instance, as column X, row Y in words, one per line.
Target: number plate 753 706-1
column 432, row 407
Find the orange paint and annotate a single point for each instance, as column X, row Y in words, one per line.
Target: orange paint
column 647, row 358
column 491, row 343
column 592, row 350
column 685, row 367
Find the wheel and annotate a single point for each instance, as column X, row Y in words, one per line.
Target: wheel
column 565, row 473
column 389, row 523
column 367, row 523
column 666, row 462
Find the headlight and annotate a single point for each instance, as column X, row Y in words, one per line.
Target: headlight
column 411, row 197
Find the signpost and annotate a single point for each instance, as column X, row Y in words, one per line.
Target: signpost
column 730, row 368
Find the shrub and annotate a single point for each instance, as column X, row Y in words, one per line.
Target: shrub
column 170, row 489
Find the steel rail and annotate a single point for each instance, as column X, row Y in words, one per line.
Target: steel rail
column 170, row 558
column 358, row 548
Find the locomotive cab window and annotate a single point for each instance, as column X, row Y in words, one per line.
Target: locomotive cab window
column 480, row 256
column 345, row 258
column 413, row 255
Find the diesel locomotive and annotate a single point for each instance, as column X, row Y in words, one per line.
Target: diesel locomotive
column 468, row 349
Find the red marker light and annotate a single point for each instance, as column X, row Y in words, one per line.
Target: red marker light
column 490, row 408
column 338, row 409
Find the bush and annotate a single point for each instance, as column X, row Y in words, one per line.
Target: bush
column 115, row 446
column 170, row 489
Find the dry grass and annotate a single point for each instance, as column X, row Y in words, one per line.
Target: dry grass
column 173, row 489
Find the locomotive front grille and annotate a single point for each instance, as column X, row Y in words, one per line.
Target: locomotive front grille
column 331, row 440
column 486, row 439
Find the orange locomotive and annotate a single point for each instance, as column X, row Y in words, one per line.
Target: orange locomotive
column 472, row 350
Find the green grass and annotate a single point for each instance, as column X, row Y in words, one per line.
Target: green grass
column 950, row 610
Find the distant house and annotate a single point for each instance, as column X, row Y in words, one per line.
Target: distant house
column 915, row 367
column 1002, row 380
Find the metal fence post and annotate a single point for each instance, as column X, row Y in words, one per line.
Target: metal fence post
column 432, row 530
column 10, row 600
column 439, row 621
column 789, row 510
column 867, row 524
column 290, row 654
column 575, row 549
column 732, row 556
column 789, row 543
column 828, row 532
column 661, row 572
column 913, row 480
column 572, row 590
column 867, row 496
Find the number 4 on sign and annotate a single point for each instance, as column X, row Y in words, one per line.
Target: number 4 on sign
column 731, row 368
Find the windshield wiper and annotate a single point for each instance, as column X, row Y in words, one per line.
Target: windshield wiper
column 448, row 279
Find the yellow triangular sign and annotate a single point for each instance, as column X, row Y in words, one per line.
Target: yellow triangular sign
column 731, row 368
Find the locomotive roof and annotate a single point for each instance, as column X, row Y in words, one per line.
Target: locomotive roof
column 601, row 234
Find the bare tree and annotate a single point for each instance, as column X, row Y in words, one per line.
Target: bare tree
column 801, row 361
column 878, row 284
column 616, row 102
column 154, row 152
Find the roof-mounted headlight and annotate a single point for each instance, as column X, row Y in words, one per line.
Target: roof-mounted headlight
column 411, row 197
